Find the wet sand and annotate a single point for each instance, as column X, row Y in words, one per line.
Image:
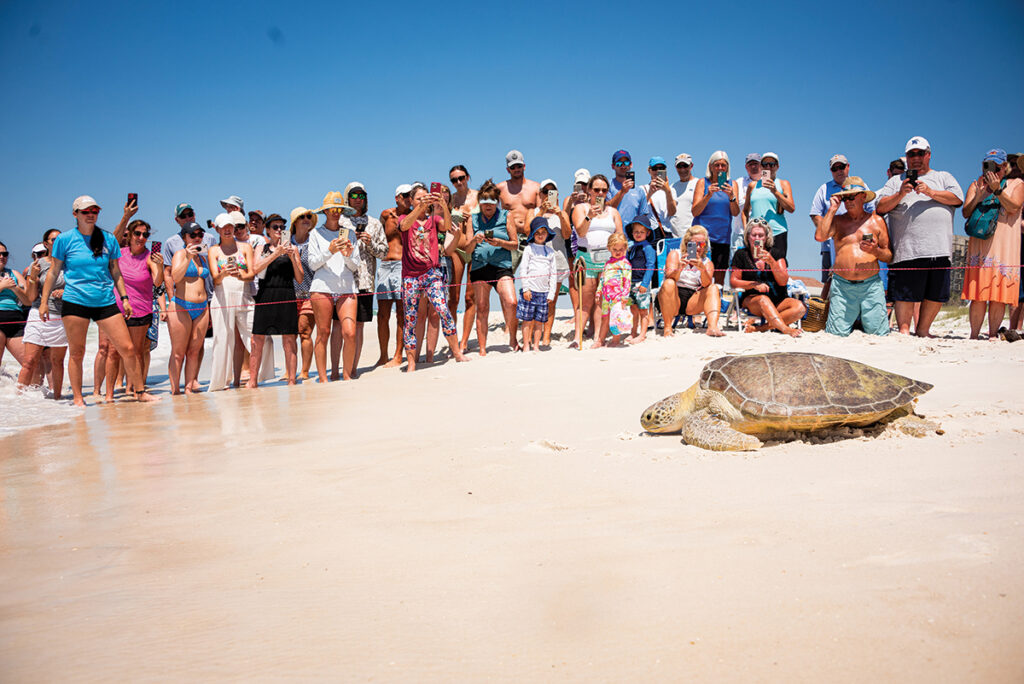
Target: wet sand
column 506, row 520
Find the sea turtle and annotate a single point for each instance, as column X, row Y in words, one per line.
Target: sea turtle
column 739, row 398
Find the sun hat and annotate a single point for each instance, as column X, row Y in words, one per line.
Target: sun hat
column 234, row 200
column 997, row 155
column 641, row 219
column 684, row 159
column 854, row 185
column 332, row 200
column 753, row 156
column 621, row 154
column 84, row 202
column 548, row 181
column 514, row 157
column 539, row 223
column 222, row 219
column 301, row 211
column 769, row 154
column 237, row 218
column 581, row 176
column 180, row 209
column 273, row 217
column 837, row 159
column 917, row 143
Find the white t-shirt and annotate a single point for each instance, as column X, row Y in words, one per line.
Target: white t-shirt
column 538, row 270
column 659, row 203
column 683, row 192
column 920, row 227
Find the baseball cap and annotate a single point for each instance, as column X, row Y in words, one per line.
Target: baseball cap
column 237, row 218
column 917, row 143
column 274, row 217
column 181, row 208
column 753, row 156
column 222, row 219
column 403, row 189
column 38, row 248
column 766, row 155
column 233, row 200
column 837, row 159
column 354, row 185
column 548, row 181
column 255, row 212
column 684, row 159
column 514, row 157
column 655, row 161
column 621, row 154
column 84, row 202
column 581, row 176
column 997, row 155
column 192, row 227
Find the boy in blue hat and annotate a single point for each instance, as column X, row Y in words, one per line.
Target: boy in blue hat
column 643, row 261
column 538, row 272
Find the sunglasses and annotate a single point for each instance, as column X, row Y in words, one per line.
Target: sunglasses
column 839, row 167
column 4, row 254
column 458, row 179
column 850, row 198
column 187, row 214
column 308, row 217
column 138, row 234
column 36, row 255
column 89, row 211
column 659, row 167
column 624, row 162
column 276, row 226
column 518, row 166
column 683, row 166
column 599, row 190
column 769, row 165
column 916, row 153
column 357, row 195
column 242, row 226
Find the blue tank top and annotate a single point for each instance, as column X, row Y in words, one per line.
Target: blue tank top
column 489, row 255
column 716, row 217
column 763, row 205
column 8, row 300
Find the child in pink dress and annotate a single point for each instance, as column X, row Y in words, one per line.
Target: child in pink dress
column 614, row 290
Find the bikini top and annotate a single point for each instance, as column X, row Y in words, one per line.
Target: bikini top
column 193, row 272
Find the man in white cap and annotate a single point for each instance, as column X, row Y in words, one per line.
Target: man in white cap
column 752, row 164
column 683, row 189
column 839, row 165
column 920, row 205
column 389, row 278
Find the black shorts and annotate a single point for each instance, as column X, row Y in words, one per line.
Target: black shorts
column 490, row 273
column 927, row 278
column 780, row 244
column 94, row 313
column 364, row 306
column 685, row 293
column 12, row 323
column 720, row 256
column 140, row 321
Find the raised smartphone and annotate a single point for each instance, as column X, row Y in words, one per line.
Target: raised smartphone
column 662, row 174
column 631, row 175
column 435, row 188
column 723, row 178
column 133, row 197
column 553, row 198
column 599, row 203
column 156, row 247
column 691, row 250
column 766, row 174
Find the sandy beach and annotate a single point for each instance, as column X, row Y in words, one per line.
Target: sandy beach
column 506, row 520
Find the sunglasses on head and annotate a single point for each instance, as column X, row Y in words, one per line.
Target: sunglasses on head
column 770, row 165
column 458, row 179
column 624, row 162
column 357, row 195
column 916, row 153
column 839, row 167
column 140, row 234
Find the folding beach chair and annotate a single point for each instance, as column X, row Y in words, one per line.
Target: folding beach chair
column 661, row 250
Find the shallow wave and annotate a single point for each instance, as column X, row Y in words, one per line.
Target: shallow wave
column 30, row 408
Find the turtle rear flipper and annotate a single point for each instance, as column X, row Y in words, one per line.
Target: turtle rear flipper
column 706, row 430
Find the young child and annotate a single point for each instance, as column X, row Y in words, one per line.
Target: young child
column 614, row 289
column 539, row 279
column 643, row 261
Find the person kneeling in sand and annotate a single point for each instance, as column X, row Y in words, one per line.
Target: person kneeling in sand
column 689, row 284
column 763, row 276
column 862, row 240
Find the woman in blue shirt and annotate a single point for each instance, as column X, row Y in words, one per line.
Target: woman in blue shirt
column 12, row 316
column 88, row 257
column 715, row 202
column 494, row 239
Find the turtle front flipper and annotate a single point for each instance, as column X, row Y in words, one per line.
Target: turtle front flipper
column 706, row 430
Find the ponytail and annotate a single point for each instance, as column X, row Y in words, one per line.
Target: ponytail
column 96, row 241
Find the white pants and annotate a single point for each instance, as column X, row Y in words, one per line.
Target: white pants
column 231, row 314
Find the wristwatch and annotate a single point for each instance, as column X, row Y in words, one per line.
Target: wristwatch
column 124, row 298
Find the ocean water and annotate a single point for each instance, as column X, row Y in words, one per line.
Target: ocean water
column 31, row 408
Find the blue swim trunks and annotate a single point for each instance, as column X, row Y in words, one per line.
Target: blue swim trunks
column 534, row 310
column 849, row 300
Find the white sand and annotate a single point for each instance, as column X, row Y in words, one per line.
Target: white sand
column 506, row 520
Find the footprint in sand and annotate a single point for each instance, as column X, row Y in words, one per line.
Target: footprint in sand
column 544, row 446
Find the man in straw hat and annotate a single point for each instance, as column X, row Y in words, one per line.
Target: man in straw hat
column 862, row 240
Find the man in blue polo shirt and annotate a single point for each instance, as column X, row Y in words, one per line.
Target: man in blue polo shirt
column 839, row 165
column 624, row 195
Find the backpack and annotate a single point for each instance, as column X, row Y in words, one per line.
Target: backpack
column 982, row 223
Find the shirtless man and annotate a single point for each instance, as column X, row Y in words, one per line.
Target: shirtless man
column 389, row 278
column 518, row 194
column 862, row 240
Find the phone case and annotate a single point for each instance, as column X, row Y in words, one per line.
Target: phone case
column 435, row 188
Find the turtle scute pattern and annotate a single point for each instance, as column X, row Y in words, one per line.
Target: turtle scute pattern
column 804, row 384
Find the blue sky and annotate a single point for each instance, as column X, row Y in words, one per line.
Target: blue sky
column 280, row 103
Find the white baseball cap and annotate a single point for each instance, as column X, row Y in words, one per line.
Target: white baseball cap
column 548, row 181
column 222, row 219
column 84, row 202
column 514, row 157
column 917, row 143
column 237, row 218
column 582, row 176
column 403, row 189
column 684, row 159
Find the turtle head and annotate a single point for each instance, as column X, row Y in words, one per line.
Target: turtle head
column 668, row 414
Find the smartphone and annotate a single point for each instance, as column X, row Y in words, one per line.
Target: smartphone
column 662, row 174
column 360, row 229
column 577, row 188
column 553, row 198
column 758, row 243
column 209, row 224
column 722, row 179
column 912, row 176
column 867, row 237
column 435, row 188
column 989, row 166
column 156, row 247
column 599, row 203
column 133, row 197
column 631, row 175
column 457, row 217
column 691, row 250
column 766, row 175
column 489, row 234
column 232, row 261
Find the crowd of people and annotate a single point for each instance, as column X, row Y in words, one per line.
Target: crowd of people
column 315, row 279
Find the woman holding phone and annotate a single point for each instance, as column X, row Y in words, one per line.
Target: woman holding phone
column 770, row 198
column 595, row 222
column 303, row 220
column 715, row 203
column 92, row 284
column 278, row 267
column 45, row 342
column 231, row 265
column 763, row 279
column 188, row 321
column 12, row 316
column 493, row 240
column 689, row 284
column 463, row 205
